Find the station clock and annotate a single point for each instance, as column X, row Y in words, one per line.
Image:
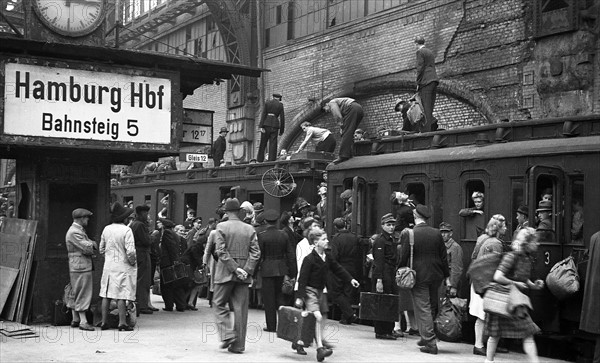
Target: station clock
column 71, row 18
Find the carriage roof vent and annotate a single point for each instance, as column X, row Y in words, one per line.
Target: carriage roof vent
column 482, row 139
column 570, row 129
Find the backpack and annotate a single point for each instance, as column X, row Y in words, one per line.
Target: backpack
column 448, row 325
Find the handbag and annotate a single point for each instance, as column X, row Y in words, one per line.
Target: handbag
column 69, row 296
column 201, row 276
column 415, row 112
column 406, row 276
column 563, row 279
column 173, row 273
column 495, row 300
column 481, row 271
column 287, row 288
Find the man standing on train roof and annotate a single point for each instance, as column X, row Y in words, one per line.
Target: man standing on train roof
column 272, row 121
column 219, row 147
column 348, row 114
column 427, row 80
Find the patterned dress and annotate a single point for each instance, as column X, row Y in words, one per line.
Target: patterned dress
column 516, row 266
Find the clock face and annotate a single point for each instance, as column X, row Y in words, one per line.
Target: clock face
column 70, row 17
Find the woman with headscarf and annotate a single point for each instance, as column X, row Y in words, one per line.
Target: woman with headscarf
column 515, row 269
column 488, row 242
column 119, row 277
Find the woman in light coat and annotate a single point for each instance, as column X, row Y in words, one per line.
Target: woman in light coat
column 119, row 276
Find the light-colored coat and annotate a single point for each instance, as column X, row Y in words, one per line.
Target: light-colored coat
column 119, row 276
column 236, row 246
column 80, row 249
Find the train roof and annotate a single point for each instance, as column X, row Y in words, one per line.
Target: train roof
column 498, row 141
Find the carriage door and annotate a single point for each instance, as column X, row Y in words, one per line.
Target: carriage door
column 546, row 183
column 359, row 206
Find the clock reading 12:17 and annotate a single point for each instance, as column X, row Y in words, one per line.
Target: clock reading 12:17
column 72, row 18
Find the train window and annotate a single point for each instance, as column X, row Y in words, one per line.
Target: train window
column 254, row 197
column 225, row 192
column 190, row 201
column 128, row 200
column 474, row 204
column 546, row 198
column 148, row 200
column 358, row 207
column 517, row 187
column 574, row 213
column 164, row 203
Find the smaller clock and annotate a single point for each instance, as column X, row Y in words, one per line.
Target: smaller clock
column 73, row 18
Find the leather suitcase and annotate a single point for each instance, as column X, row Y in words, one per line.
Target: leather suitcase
column 380, row 307
column 295, row 325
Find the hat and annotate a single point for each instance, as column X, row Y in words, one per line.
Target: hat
column 388, row 218
column 167, row 223
column 271, row 215
column 523, row 209
column 445, row 227
column 258, row 207
column 303, row 204
column 359, row 131
column 247, row 206
column 223, row 129
column 118, row 213
column 142, row 208
column 80, row 213
column 346, row 194
column 231, row 204
column 423, row 211
column 278, row 95
column 544, row 205
column 419, row 39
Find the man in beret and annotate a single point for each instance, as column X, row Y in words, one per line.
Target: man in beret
column 141, row 236
column 430, row 262
column 272, row 121
column 276, row 260
column 238, row 252
column 455, row 261
column 80, row 251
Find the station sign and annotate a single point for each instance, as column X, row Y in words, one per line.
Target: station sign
column 193, row 158
column 197, row 126
column 68, row 103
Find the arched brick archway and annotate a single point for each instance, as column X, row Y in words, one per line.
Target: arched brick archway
column 378, row 99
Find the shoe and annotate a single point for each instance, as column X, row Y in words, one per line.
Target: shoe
column 227, row 343
column 146, row 311
column 269, row 330
column 385, row 336
column 125, row 328
column 412, row 331
column 501, row 350
column 74, row 324
column 191, row 307
column 86, row 326
column 299, row 349
column 104, row 326
column 479, row 351
column 398, row 334
column 353, row 319
column 168, row 309
column 430, row 349
column 339, row 160
column 181, row 310
column 322, row 353
column 421, row 343
column 236, row 351
column 152, row 308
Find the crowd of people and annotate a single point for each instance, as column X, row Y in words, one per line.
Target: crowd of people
column 247, row 250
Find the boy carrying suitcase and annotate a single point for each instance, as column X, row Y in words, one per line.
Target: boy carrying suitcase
column 312, row 279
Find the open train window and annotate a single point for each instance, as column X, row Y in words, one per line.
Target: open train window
column 546, row 197
column 359, row 206
column 517, row 199
column 254, row 197
column 190, row 201
column 475, row 212
column 225, row 192
column 574, row 217
column 127, row 200
column 165, row 199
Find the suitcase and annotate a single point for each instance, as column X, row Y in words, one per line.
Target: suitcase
column 296, row 326
column 380, row 307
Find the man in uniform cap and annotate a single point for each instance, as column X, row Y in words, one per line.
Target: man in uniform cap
column 455, row 261
column 276, row 261
column 430, row 262
column 80, row 251
column 141, row 236
column 272, row 121
column 219, row 147
column 238, row 252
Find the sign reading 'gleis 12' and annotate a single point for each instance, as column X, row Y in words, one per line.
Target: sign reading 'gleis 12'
column 78, row 104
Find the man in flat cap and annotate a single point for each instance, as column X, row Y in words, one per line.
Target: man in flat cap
column 277, row 259
column 522, row 219
column 272, row 121
column 430, row 262
column 427, row 81
column 141, row 236
column 455, row 261
column 238, row 252
column 80, row 250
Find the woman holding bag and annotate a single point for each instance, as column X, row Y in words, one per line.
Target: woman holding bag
column 515, row 269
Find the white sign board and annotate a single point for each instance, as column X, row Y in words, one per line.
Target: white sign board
column 197, row 134
column 76, row 104
column 195, row 158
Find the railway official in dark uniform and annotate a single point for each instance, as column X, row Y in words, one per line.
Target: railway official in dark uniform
column 219, row 147
column 430, row 263
column 272, row 121
column 276, row 259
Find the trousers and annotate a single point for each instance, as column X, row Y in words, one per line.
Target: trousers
column 425, row 303
column 428, row 93
column 235, row 293
column 350, row 122
column 272, row 299
column 270, row 136
column 144, row 278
